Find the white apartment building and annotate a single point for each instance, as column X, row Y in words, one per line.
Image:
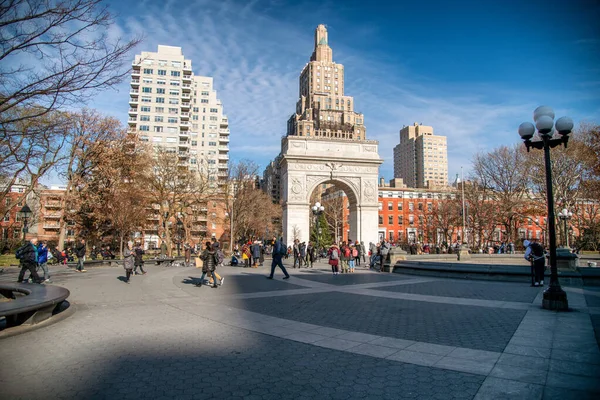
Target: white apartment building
column 176, row 110
column 421, row 158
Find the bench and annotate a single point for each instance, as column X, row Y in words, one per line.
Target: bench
column 167, row 261
column 30, row 304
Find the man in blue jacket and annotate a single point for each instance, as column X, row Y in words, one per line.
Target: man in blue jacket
column 279, row 251
column 43, row 260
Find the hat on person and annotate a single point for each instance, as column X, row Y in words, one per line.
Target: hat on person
column 526, row 243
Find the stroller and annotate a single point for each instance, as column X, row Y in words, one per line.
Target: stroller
column 234, row 261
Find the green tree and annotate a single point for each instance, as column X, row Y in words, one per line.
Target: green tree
column 324, row 237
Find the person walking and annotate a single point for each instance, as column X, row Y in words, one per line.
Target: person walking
column 210, row 261
column 534, row 252
column 373, row 250
column 28, row 258
column 43, row 260
column 187, row 254
column 128, row 260
column 279, row 251
column 163, row 249
column 363, row 252
column 296, row 250
column 138, row 259
column 255, row 249
column 384, row 249
column 301, row 254
column 358, row 248
column 334, row 259
column 345, row 255
column 310, row 255
column 80, row 253
column 246, row 255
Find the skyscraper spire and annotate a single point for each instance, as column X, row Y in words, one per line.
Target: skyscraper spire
column 322, row 51
column 323, row 110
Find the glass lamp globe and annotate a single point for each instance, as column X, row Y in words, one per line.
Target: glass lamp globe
column 543, row 111
column 544, row 124
column 526, row 130
column 564, row 125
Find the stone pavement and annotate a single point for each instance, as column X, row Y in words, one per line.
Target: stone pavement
column 366, row 335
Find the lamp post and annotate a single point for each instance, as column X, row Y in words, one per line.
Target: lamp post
column 317, row 210
column 179, row 228
column 554, row 297
column 565, row 215
column 25, row 213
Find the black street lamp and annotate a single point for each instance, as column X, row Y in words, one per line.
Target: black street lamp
column 317, row 210
column 25, row 213
column 179, row 229
column 554, row 297
column 565, row 215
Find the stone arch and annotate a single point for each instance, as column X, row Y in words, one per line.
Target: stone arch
column 353, row 166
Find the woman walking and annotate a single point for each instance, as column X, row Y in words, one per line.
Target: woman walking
column 334, row 259
column 128, row 260
column 210, row 261
column 139, row 259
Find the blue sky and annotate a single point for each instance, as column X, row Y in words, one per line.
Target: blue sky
column 474, row 70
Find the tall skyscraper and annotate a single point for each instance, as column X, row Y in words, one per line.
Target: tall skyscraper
column 421, row 158
column 173, row 109
column 323, row 110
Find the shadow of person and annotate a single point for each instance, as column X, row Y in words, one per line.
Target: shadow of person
column 190, row 280
column 122, row 278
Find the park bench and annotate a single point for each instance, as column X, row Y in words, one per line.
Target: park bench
column 166, row 261
column 30, row 304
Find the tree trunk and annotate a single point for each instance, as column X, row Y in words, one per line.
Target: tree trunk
column 121, row 239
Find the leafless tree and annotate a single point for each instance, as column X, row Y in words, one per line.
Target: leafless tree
column 26, row 157
column 55, row 53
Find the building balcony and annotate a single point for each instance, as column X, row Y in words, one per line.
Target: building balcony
column 184, row 154
column 224, row 131
column 184, row 144
column 185, row 115
column 133, row 100
column 133, row 111
column 186, row 87
column 133, row 91
column 185, row 105
column 52, row 204
column 135, row 82
column 184, row 125
column 224, row 139
column 223, row 156
column 224, row 124
column 223, row 148
column 135, row 74
column 52, row 216
column 185, row 96
column 184, row 135
column 51, row 226
column 187, row 79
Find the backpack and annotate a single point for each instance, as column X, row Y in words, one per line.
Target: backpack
column 347, row 252
column 219, row 257
column 537, row 249
column 21, row 251
column 355, row 253
column 334, row 254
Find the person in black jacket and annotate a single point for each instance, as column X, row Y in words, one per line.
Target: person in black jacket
column 28, row 257
column 80, row 253
column 138, row 259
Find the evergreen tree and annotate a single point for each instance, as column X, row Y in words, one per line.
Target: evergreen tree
column 325, row 238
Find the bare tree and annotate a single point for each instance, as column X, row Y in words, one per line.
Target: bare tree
column 250, row 211
column 87, row 144
column 296, row 232
column 504, row 175
column 334, row 212
column 26, row 157
column 55, row 53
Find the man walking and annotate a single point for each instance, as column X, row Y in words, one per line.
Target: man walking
column 384, row 249
column 28, row 257
column 80, row 253
column 534, row 252
column 279, row 250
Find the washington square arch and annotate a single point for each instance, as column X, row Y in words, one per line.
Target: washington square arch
column 326, row 143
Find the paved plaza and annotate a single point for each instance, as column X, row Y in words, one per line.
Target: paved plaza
column 366, row 335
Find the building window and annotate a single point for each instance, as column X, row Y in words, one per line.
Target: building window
column 411, row 220
column 390, row 206
column 145, row 108
column 400, row 220
column 175, row 73
column 420, row 206
column 399, row 206
column 391, row 236
column 158, row 119
column 144, row 118
column 411, row 207
column 160, row 99
column 172, row 120
column 429, row 206
column 159, row 109
column 148, row 71
column 381, row 220
column 158, row 129
column 162, row 72
column 160, row 90
column 390, row 219
column 380, row 206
